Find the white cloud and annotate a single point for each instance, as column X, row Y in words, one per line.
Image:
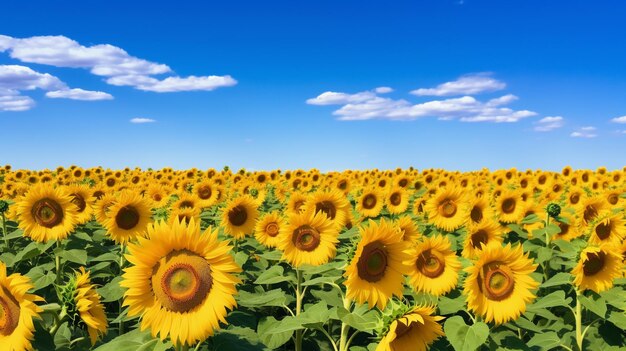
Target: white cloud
column 79, row 94
column 383, row 90
column 619, row 119
column 585, row 132
column 60, row 51
column 367, row 105
column 139, row 120
column 173, row 84
column 547, row 124
column 16, row 77
column 108, row 61
column 11, row 100
column 465, row 85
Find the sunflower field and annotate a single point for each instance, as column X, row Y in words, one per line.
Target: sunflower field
column 405, row 259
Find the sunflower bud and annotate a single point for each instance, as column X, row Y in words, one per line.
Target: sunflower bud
column 4, row 206
column 553, row 210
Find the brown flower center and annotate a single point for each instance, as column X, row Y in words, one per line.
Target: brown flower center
column 613, row 199
column 327, row 207
column 508, row 205
column 79, row 201
column 402, row 329
column 204, row 192
column 476, row 214
column 431, row 263
column 272, row 229
column 590, row 213
column 497, row 281
column 127, row 217
column 447, row 208
column 369, row 201
column 306, row 238
column 479, row 238
column 574, row 198
column 373, row 262
column 594, row 263
column 395, row 199
column 47, row 212
column 238, row 216
column 9, row 313
column 186, row 204
column 603, row 230
column 182, row 280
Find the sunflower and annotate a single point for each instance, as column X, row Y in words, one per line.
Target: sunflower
column 81, row 197
column 158, row 194
column 574, row 195
column 186, row 200
column 377, row 269
column 397, row 200
column 17, row 310
column 608, row 229
column 479, row 210
column 446, row 209
column 510, row 207
column 413, row 331
column 487, row 232
column 408, row 229
column 597, row 267
column 267, row 229
column 46, row 213
column 101, row 207
column 206, row 192
column 434, row 267
column 590, row 208
column 128, row 217
column 498, row 286
column 297, row 202
column 332, row 202
column 370, row 203
column 89, row 307
column 181, row 281
column 568, row 231
column 308, row 238
column 239, row 216
column 184, row 214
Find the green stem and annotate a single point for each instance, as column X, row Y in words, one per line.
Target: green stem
column 579, row 319
column 299, row 309
column 546, row 231
column 4, row 231
column 58, row 321
column 121, row 307
column 345, row 328
column 57, row 261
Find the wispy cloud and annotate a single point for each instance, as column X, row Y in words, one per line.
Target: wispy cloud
column 369, row 105
column 140, row 120
column 466, row 85
column 619, row 120
column 383, row 90
column 15, row 78
column 109, row 61
column 547, row 124
column 585, row 132
column 79, row 94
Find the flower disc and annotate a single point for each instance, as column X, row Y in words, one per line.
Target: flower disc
column 182, row 281
column 373, row 262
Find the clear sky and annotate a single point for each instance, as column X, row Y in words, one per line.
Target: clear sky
column 303, row 84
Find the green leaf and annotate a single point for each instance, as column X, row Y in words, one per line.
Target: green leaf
column 365, row 322
column 75, row 255
column 545, row 341
column 40, row 278
column 464, row 337
column 268, row 336
column 112, row 291
column 543, row 255
column 615, row 297
column 596, row 305
column 134, row 341
column 321, row 280
column 273, row 275
column 106, row 257
column 556, row 298
column 618, row 318
column 558, row 279
column 241, row 258
column 276, row 297
column 451, row 306
column 524, row 323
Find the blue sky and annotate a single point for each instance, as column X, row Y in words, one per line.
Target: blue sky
column 284, row 84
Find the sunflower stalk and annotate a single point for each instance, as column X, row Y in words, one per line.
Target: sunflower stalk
column 345, row 328
column 121, row 306
column 4, row 231
column 58, row 321
column 57, row 261
column 579, row 319
column 299, row 297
